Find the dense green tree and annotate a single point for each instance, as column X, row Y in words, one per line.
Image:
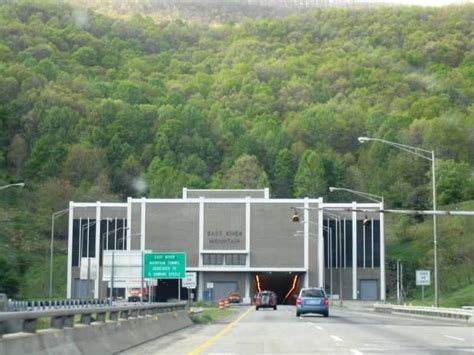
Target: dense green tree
column 284, row 174
column 245, row 174
column 99, row 102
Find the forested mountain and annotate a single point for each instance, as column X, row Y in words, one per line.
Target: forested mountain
column 100, row 108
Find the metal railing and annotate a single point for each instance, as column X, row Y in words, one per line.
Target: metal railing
column 464, row 314
column 27, row 321
column 36, row 305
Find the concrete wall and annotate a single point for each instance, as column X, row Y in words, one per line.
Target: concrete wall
column 238, row 277
column 272, row 240
column 224, row 226
column 97, row 338
column 226, row 193
column 173, row 227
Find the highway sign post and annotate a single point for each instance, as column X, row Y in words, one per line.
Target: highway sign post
column 423, row 279
column 189, row 280
column 164, row 265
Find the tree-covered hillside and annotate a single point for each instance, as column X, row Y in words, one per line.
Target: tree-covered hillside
column 98, row 108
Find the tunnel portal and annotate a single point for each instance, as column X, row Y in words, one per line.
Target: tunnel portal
column 284, row 284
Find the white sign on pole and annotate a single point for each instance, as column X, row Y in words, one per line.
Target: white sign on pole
column 127, row 264
column 210, row 285
column 423, row 278
column 88, row 270
column 189, row 280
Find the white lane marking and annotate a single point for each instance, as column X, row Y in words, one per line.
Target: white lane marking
column 356, row 352
column 318, row 327
column 455, row 338
column 336, row 338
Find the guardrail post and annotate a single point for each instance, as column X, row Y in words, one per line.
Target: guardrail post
column 134, row 313
column 86, row 318
column 68, row 321
column 124, row 314
column 29, row 325
column 113, row 316
column 57, row 322
column 100, row 317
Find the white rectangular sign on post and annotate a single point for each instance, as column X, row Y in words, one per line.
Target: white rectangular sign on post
column 126, row 264
column 423, row 278
column 189, row 280
column 88, row 269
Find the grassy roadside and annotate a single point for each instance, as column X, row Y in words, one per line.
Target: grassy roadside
column 212, row 314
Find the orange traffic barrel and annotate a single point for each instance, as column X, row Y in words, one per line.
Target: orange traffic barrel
column 226, row 302
column 221, row 304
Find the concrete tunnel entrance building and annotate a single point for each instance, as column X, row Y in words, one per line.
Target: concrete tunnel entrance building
column 234, row 240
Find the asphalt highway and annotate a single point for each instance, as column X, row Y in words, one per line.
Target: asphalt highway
column 344, row 332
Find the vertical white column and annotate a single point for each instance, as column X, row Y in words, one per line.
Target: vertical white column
column 306, row 241
column 372, row 241
column 185, row 193
column 201, row 235
column 267, row 193
column 106, row 246
column 345, row 244
column 98, row 211
column 320, row 245
column 129, row 219
column 382, row 255
column 248, row 283
column 200, row 285
column 363, row 246
column 354, row 251
column 142, row 224
column 69, row 250
column 247, row 231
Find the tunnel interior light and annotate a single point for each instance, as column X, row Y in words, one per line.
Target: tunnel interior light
column 292, row 288
column 258, row 283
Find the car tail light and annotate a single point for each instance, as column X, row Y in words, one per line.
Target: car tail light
column 298, row 300
column 326, row 301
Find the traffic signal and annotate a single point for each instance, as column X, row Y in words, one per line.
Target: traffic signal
column 296, row 218
column 366, row 221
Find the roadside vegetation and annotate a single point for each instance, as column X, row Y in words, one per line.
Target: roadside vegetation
column 101, row 107
column 211, row 313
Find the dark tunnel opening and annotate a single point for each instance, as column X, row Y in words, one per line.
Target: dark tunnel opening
column 284, row 284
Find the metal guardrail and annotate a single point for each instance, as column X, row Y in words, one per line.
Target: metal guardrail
column 27, row 321
column 15, row 306
column 465, row 314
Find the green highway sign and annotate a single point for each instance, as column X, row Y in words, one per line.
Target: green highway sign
column 164, row 265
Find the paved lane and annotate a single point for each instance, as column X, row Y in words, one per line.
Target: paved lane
column 344, row 332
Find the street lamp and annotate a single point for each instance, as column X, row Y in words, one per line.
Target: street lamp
column 366, row 221
column 81, row 237
column 19, row 184
column 427, row 155
column 53, row 216
column 337, row 219
column 296, row 219
column 368, row 196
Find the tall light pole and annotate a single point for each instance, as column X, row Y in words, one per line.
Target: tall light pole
column 19, row 184
column 337, row 220
column 53, row 216
column 380, row 200
column 430, row 156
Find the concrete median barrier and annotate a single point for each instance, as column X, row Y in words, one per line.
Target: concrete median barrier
column 97, row 338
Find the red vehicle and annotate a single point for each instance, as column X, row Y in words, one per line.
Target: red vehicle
column 135, row 294
column 266, row 299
